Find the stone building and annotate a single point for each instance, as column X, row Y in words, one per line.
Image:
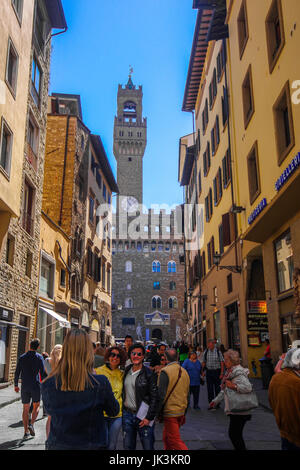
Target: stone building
column 78, row 182
column 250, row 255
column 148, row 278
column 19, row 269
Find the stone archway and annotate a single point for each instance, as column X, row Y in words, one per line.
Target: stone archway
column 157, row 334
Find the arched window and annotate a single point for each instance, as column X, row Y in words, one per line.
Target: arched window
column 128, row 267
column 153, row 246
column 129, row 303
column 120, row 246
column 173, row 302
column 167, row 246
column 156, row 267
column 133, row 246
column 171, row 267
column 139, row 246
column 156, row 302
column 174, row 247
column 126, row 246
column 160, row 246
column 146, row 246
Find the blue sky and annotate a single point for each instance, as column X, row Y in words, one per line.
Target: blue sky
column 104, row 38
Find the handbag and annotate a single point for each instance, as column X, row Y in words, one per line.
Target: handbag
column 161, row 416
column 239, row 402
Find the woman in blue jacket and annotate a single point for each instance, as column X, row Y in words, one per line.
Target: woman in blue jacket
column 193, row 367
column 75, row 398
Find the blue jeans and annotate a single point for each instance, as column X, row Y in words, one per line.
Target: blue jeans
column 130, row 430
column 287, row 445
column 113, row 426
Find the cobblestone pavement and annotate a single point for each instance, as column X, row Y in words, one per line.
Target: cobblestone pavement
column 204, row 430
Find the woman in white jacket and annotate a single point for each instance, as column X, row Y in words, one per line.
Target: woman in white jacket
column 235, row 378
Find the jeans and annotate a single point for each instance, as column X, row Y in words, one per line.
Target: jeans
column 195, row 391
column 113, row 426
column 213, row 382
column 171, row 433
column 236, row 426
column 287, row 445
column 131, row 428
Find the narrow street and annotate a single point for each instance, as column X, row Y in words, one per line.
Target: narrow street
column 204, row 430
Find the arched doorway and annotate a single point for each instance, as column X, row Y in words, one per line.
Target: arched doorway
column 157, row 334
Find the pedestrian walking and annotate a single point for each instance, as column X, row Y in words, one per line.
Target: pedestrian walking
column 75, row 398
column 213, row 369
column 50, row 364
column 31, row 368
column 193, row 367
column 173, row 392
column 140, row 401
column 239, row 401
column 284, row 398
column 115, row 357
column 128, row 342
column 98, row 355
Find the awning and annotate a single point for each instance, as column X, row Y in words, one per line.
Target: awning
column 62, row 321
column 9, row 323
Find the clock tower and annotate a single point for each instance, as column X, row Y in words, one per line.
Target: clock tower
column 130, row 138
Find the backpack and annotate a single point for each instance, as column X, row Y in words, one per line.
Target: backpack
column 205, row 355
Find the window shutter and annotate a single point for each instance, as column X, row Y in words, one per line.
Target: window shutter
column 226, row 229
column 217, row 130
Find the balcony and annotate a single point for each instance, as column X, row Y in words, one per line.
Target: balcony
column 32, row 157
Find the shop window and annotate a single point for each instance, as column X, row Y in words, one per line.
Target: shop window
column 247, row 92
column 275, row 33
column 253, row 174
column 283, row 119
column 284, row 262
column 242, row 25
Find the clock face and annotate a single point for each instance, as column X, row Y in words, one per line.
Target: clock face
column 130, row 204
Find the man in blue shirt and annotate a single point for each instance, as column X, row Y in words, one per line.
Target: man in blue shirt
column 31, row 369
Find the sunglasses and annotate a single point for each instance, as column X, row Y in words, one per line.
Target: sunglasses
column 114, row 355
column 137, row 354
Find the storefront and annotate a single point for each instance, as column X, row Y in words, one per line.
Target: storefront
column 6, row 325
column 51, row 327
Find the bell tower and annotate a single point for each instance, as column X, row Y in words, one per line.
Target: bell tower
column 130, row 138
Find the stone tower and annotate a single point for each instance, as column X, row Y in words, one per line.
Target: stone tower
column 130, row 138
column 147, row 277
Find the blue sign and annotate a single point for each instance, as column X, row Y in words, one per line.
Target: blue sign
column 257, row 211
column 295, row 163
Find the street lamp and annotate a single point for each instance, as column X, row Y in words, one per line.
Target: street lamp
column 233, row 269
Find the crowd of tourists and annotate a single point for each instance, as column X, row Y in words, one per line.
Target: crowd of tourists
column 90, row 394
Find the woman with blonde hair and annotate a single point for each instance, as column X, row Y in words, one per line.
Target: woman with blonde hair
column 50, row 364
column 75, row 398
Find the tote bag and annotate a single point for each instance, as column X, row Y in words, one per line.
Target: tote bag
column 238, row 402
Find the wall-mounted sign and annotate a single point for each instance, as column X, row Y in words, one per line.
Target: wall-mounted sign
column 257, row 322
column 256, row 306
column 254, row 340
column 6, row 314
column 257, row 211
column 295, row 163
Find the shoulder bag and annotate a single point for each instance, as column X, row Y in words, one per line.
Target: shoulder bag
column 240, row 402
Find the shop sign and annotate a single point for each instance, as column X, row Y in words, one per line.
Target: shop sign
column 295, row 163
column 257, row 211
column 257, row 322
column 256, row 306
column 6, row 314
